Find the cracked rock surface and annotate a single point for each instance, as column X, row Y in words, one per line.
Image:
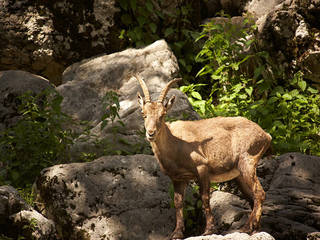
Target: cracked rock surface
column 113, row 197
column 292, row 206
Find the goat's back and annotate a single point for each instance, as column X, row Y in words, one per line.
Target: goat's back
column 234, row 135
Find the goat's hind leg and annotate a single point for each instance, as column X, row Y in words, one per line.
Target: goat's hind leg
column 251, row 187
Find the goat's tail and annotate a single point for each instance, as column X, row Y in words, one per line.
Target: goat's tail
column 269, row 151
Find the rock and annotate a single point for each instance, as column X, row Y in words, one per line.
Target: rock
column 230, row 212
column 113, row 197
column 44, row 37
column 289, row 32
column 235, row 236
column 310, row 63
column 266, row 168
column 14, row 83
column 259, row 9
column 10, row 203
column 86, row 83
column 231, row 7
column 292, row 206
column 34, row 225
column 18, row 219
column 313, row 236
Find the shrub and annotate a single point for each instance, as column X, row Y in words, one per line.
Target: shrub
column 37, row 141
column 285, row 106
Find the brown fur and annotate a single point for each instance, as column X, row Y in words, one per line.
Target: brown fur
column 217, row 149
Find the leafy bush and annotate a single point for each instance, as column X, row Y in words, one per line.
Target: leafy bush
column 37, row 141
column 286, row 107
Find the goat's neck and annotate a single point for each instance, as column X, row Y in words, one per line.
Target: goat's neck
column 163, row 142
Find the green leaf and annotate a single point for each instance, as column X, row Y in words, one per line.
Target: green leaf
column 124, row 4
column 249, row 91
column 141, row 20
column 153, row 27
column 188, row 68
column 287, row 96
column 160, row 14
column 196, row 95
column 138, row 33
column 258, row 71
column 302, row 84
column 180, row 44
column 149, row 6
column 133, row 4
column 199, row 204
column 168, row 31
column 237, row 87
column 294, row 93
column 272, row 100
column 182, row 62
column 312, row 90
column 122, row 34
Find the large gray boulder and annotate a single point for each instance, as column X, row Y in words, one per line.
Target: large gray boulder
column 292, row 207
column 14, row 83
column 33, row 225
column 44, row 37
column 10, row 203
column 18, row 219
column 86, row 83
column 289, row 30
column 230, row 211
column 113, row 197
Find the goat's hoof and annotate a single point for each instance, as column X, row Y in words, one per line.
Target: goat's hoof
column 247, row 229
column 176, row 235
column 211, row 230
column 250, row 228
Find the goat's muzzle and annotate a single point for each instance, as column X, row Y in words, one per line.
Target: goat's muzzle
column 150, row 135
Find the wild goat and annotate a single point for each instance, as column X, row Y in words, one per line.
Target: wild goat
column 216, row 149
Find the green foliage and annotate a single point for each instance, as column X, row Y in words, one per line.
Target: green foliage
column 114, row 143
column 28, row 195
column 145, row 22
column 37, row 141
column 110, row 103
column 286, row 107
column 30, row 227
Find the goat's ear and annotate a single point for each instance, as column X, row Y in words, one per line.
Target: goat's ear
column 169, row 103
column 140, row 100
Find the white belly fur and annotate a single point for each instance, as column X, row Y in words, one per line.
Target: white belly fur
column 227, row 176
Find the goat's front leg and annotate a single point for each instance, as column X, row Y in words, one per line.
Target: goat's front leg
column 179, row 189
column 204, row 183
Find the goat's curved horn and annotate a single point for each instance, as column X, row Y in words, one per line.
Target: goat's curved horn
column 144, row 89
column 164, row 91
